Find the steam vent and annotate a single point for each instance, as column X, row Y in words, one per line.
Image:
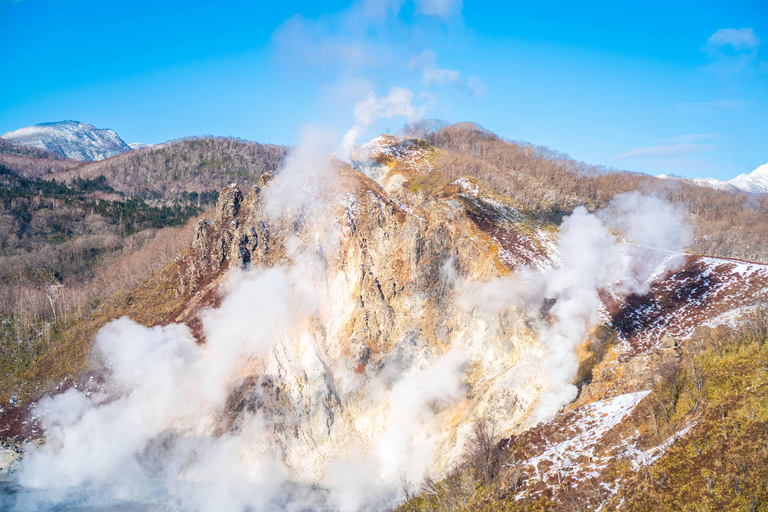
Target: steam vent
column 436, row 321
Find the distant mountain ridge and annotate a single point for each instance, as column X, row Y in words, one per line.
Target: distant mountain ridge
column 755, row 182
column 71, row 139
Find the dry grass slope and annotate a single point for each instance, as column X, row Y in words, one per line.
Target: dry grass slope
column 716, row 388
column 551, row 184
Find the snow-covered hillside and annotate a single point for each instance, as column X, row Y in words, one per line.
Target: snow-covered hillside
column 715, row 183
column 71, row 139
column 755, row 182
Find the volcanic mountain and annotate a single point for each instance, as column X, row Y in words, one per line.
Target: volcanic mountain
column 755, row 182
column 349, row 335
column 70, row 139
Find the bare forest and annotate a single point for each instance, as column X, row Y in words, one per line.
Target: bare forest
column 551, row 184
column 191, row 164
column 74, row 232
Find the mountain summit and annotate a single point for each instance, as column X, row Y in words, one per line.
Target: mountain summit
column 755, row 182
column 443, row 306
column 71, row 139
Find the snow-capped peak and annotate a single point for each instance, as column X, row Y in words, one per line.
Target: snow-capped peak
column 71, row 139
column 714, row 183
column 755, row 182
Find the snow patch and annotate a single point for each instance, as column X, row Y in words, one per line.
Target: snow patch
column 576, row 457
column 71, row 139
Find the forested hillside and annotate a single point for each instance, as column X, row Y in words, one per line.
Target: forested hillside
column 193, row 165
column 32, row 162
column 74, row 233
column 551, row 184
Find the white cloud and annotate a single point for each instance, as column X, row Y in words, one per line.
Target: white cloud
column 731, row 50
column 665, row 151
column 364, row 34
column 426, row 62
column 440, row 76
column 694, row 137
column 475, row 87
column 381, row 9
column 739, row 39
column 441, row 8
column 353, row 47
column 712, row 106
column 305, row 43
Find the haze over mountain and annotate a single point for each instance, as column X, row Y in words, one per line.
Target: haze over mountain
column 70, row 139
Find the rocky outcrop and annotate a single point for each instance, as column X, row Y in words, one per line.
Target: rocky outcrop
column 388, row 270
column 389, row 261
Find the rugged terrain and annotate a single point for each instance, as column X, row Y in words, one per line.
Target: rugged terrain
column 407, row 352
column 70, row 139
column 755, row 182
column 67, row 223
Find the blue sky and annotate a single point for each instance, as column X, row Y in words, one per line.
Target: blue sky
column 657, row 87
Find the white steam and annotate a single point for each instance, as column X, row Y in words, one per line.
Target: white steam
column 592, row 260
column 164, row 385
column 304, row 177
column 398, row 103
column 648, row 221
column 407, row 445
column 159, row 434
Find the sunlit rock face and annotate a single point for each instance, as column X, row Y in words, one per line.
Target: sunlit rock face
column 395, row 365
column 398, row 275
column 345, row 328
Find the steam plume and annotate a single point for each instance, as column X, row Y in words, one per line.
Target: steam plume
column 154, row 435
column 592, row 259
column 398, row 103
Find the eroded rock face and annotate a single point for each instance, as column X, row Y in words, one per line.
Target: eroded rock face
column 388, row 272
column 229, row 202
column 389, row 264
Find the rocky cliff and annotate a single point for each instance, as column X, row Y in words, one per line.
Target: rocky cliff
column 394, row 265
column 407, row 335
